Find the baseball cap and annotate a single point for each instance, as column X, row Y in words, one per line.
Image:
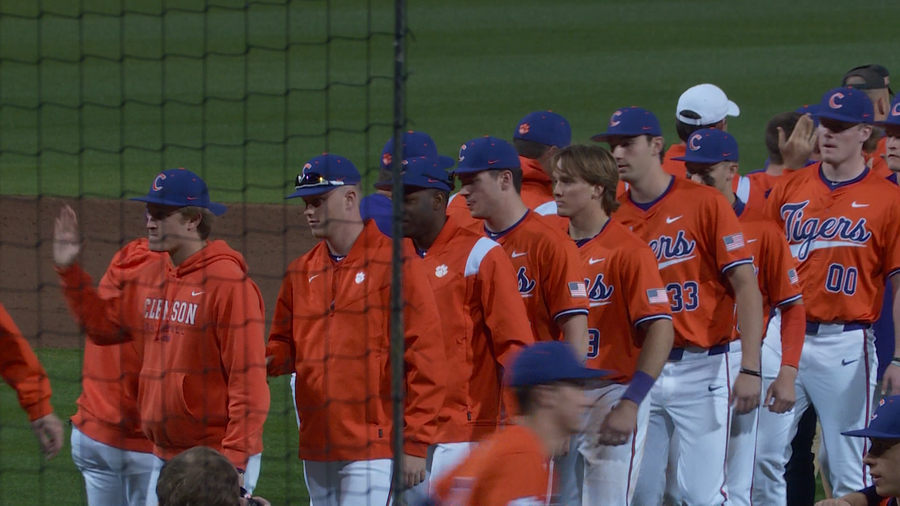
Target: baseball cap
column 180, row 188
column 812, row 110
column 421, row 172
column 708, row 101
column 486, row 153
column 885, row 422
column 549, row 362
column 415, row 144
column 848, row 105
column 874, row 76
column 893, row 117
column 710, row 146
column 544, row 127
column 630, row 122
column 323, row 174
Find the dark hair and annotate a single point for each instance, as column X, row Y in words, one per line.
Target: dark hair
column 685, row 130
column 384, row 175
column 516, row 176
column 530, row 149
column 787, row 121
column 199, row 476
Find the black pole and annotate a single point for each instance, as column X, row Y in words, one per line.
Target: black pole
column 398, row 345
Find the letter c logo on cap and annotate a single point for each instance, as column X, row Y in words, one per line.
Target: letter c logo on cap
column 833, row 103
column 156, row 182
column 692, row 143
column 614, row 120
column 896, row 110
column 462, row 151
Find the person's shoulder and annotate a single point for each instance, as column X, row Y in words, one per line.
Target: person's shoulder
column 543, row 228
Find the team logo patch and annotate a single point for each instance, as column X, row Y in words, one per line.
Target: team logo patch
column 577, row 289
column 524, row 128
column 895, row 111
column 734, row 241
column 793, row 277
column 462, row 152
column 386, row 159
column 657, row 296
column 360, row 277
column 614, row 119
column 157, row 183
column 693, row 142
column 833, row 103
column 440, row 271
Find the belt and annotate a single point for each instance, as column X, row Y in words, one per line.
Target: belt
column 812, row 328
column 678, row 353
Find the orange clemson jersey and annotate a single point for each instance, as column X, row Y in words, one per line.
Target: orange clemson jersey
column 696, row 238
column 844, row 239
column 548, row 273
column 876, row 159
column 624, row 290
column 484, row 325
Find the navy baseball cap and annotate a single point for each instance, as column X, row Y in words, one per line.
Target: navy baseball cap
column 885, row 422
column 893, row 117
column 421, row 172
column 848, row 105
column 323, row 174
column 710, row 146
column 486, row 153
column 874, row 77
column 812, row 110
column 549, row 362
column 630, row 122
column 544, row 127
column 415, row 144
column 180, row 188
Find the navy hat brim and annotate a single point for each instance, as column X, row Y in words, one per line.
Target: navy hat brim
column 389, row 185
column 214, row 207
column 876, row 434
column 828, row 114
column 584, row 374
column 700, row 159
column 446, row 162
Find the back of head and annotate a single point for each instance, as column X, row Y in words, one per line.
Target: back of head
column 540, row 131
column 702, row 106
column 786, row 121
column 685, row 130
column 199, row 476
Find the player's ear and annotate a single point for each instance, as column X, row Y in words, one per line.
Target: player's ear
column 657, row 144
column 351, row 197
column 598, row 192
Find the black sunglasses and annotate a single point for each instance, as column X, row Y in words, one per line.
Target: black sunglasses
column 312, row 179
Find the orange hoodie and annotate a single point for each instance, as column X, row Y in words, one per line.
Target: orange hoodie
column 20, row 368
column 332, row 327
column 107, row 407
column 200, row 332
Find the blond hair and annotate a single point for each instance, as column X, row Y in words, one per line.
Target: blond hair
column 596, row 166
column 207, row 218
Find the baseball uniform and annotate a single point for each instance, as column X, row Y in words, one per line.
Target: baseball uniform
column 876, row 159
column 624, row 291
column 20, row 368
column 332, row 327
column 696, row 238
column 843, row 236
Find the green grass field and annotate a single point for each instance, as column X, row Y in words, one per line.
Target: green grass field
column 85, row 121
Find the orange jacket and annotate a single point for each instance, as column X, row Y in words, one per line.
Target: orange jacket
column 200, row 333
column 878, row 163
column 107, row 408
column 20, row 368
column 675, row 167
column 484, row 325
column 332, row 327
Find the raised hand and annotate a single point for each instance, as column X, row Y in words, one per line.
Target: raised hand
column 66, row 239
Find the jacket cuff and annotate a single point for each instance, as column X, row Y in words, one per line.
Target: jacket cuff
column 415, row 448
column 39, row 410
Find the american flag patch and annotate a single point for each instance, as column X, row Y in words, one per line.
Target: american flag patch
column 657, row 296
column 577, row 289
column 792, row 275
column 733, row 242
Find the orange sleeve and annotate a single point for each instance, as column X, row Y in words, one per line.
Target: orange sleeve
column 99, row 318
column 892, row 249
column 562, row 279
column 240, row 332
column 521, row 477
column 426, row 376
column 644, row 287
column 281, row 345
column 773, row 203
column 20, row 368
column 793, row 334
column 779, row 269
column 730, row 244
column 504, row 311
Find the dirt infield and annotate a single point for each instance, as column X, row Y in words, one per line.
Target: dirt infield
column 269, row 237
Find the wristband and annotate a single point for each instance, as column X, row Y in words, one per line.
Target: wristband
column 640, row 386
column 751, row 372
column 895, row 361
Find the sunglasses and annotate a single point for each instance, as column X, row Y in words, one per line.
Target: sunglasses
column 313, row 179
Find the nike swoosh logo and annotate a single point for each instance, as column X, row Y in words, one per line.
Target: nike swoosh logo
column 492, row 162
column 516, row 254
column 313, row 277
column 848, row 362
column 669, row 263
column 194, row 294
column 673, row 220
column 713, row 388
column 856, row 206
column 750, row 240
column 593, row 261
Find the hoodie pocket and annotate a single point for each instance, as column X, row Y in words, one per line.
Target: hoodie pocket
column 172, row 409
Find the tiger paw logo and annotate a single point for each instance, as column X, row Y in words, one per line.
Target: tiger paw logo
column 526, row 285
column 524, row 128
column 440, row 271
column 360, row 277
column 386, row 159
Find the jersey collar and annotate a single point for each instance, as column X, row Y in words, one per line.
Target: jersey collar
column 497, row 235
column 582, row 242
column 646, row 207
column 834, row 185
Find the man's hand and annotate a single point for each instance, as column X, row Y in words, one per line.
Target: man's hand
column 745, row 395
column 781, row 395
column 413, row 470
column 890, row 384
column 66, row 240
column 619, row 424
column 796, row 149
column 50, row 434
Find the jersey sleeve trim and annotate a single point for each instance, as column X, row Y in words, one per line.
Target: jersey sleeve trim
column 477, row 254
column 652, row 317
column 895, row 271
column 789, row 300
column 736, row 263
column 568, row 312
column 547, row 208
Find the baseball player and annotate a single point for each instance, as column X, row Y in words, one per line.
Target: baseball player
column 702, row 258
column 701, row 106
column 891, row 126
column 108, row 445
column 883, row 459
column 514, row 467
column 537, row 137
column 874, row 81
column 630, row 330
column 841, row 222
column 712, row 159
column 332, row 327
column 199, row 330
column 21, row 370
column 548, row 270
column 483, row 318
column 790, row 142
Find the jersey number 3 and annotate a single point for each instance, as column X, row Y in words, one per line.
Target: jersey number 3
column 684, row 297
column 593, row 343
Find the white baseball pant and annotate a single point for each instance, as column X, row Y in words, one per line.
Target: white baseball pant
column 348, row 483
column 592, row 473
column 689, row 402
column 441, row 459
column 251, row 476
column 837, row 377
column 112, row 476
column 741, row 460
